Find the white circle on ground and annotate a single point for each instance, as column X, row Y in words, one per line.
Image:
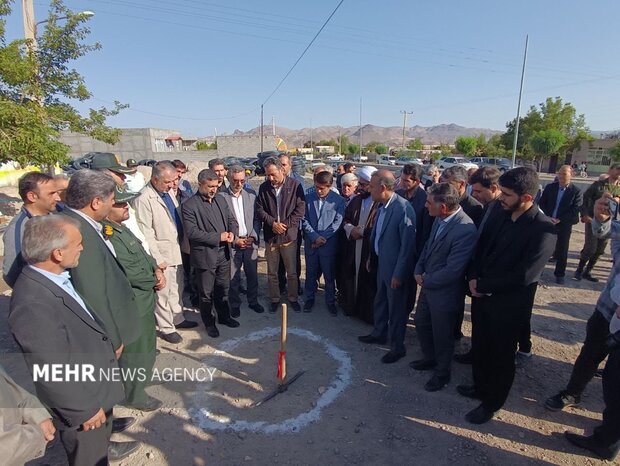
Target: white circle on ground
column 208, row 420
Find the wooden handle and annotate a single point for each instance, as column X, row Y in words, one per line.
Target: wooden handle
column 284, row 324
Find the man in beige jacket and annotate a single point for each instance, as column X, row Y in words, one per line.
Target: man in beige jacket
column 159, row 219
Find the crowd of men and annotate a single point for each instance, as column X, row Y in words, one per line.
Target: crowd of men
column 104, row 263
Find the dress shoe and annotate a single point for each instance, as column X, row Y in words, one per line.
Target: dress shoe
column 235, row 312
column 173, row 337
column 308, row 305
column 148, row 405
column 186, row 324
column 465, row 358
column 273, row 308
column 578, row 275
column 590, row 278
column 559, row 280
column 468, row 391
column 372, row 339
column 212, row 331
column 436, row 383
column 119, row 450
column 552, row 260
column 392, row 356
column 480, row 415
column 590, row 443
column 257, row 308
column 522, row 359
column 561, row 400
column 422, row 364
column 230, row 322
column 296, row 306
column 119, row 424
column 332, row 309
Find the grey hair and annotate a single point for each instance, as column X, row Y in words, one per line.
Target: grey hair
column 445, row 193
column 348, row 178
column 431, row 169
column 272, row 161
column 86, row 185
column 456, row 172
column 235, row 169
column 386, row 178
column 207, row 174
column 162, row 167
column 323, row 168
column 43, row 234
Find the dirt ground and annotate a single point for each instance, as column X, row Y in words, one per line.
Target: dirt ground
column 348, row 407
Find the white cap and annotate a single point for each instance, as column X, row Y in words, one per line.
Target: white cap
column 365, row 173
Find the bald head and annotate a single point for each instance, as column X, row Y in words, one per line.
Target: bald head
column 565, row 174
column 382, row 185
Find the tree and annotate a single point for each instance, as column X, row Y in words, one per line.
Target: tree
column 353, row 149
column 466, row 145
column 202, row 145
column 615, row 152
column 547, row 142
column 415, row 144
column 381, row 149
column 372, row 146
column 37, row 86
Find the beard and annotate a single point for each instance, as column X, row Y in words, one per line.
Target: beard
column 511, row 207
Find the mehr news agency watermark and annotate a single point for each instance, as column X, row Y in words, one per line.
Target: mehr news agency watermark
column 58, row 372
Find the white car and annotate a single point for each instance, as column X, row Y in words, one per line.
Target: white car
column 447, row 162
column 408, row 160
column 386, row 160
column 360, row 158
column 335, row 158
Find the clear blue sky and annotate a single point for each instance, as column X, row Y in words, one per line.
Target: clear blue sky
column 196, row 65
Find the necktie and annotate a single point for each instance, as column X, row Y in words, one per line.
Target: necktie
column 173, row 211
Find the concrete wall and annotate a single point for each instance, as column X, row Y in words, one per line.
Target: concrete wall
column 243, row 146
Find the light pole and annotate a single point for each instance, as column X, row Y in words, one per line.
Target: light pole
column 405, row 113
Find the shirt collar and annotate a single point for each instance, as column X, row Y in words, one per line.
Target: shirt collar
column 95, row 224
column 451, row 216
column 385, row 206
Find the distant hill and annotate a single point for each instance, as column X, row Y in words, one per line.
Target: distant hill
column 391, row 135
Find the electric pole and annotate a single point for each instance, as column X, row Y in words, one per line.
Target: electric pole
column 405, row 113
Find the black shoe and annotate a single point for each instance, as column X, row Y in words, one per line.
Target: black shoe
column 589, row 277
column 230, row 322
column 392, row 356
column 235, row 312
column 332, row 309
column 552, row 260
column 257, row 308
column 150, row 404
column 173, row 337
column 273, row 308
column 119, row 424
column 422, row 364
column 468, row 391
column 480, row 415
column 372, row 339
column 186, row 324
column 578, row 275
column 559, row 280
column 465, row 358
column 436, row 383
column 562, row 400
column 296, row 306
column 212, row 331
column 590, row 443
column 308, row 305
column 119, row 450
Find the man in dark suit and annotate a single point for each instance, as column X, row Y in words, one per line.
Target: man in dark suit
column 440, row 272
column 211, row 228
column 53, row 324
column 393, row 248
column 245, row 248
column 506, row 267
column 562, row 201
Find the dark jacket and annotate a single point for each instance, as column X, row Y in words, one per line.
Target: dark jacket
column 570, row 205
column 472, row 208
column 292, row 209
column 591, row 195
column 52, row 328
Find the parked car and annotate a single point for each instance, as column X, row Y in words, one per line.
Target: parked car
column 447, row 162
column 261, row 156
column 386, row 159
column 502, row 164
column 478, row 160
column 360, row 158
column 407, row 160
column 335, row 158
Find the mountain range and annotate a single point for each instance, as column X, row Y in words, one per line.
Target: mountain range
column 391, row 135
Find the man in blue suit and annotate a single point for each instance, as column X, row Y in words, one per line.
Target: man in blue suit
column 393, row 248
column 322, row 220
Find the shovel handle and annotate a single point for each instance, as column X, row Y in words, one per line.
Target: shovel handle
column 284, row 324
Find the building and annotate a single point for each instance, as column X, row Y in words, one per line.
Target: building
column 595, row 153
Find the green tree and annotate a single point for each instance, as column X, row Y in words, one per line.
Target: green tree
column 372, row 146
column 415, row 144
column 202, row 145
column 381, row 149
column 547, row 142
column 466, row 145
column 615, row 152
column 37, row 86
column 353, row 148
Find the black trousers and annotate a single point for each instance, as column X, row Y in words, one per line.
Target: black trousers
column 282, row 269
column 591, row 355
column 561, row 248
column 212, row 286
column 88, row 448
column 498, row 323
column 190, row 295
column 593, row 247
column 608, row 433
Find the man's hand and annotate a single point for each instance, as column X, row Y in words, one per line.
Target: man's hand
column 118, row 351
column 48, row 429
column 320, row 241
column 357, row 233
column 227, row 237
column 278, row 228
column 161, row 280
column 419, row 280
column 249, row 241
column 555, row 221
column 396, row 283
column 601, row 207
column 473, row 288
column 162, row 266
column 95, row 422
column 586, row 219
column 240, row 243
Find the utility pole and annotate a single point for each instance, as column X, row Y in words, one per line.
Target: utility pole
column 360, row 128
column 405, row 113
column 340, row 140
column 30, row 25
column 514, row 145
column 261, row 128
column 311, row 146
column 273, row 125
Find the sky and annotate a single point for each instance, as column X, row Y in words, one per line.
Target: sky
column 205, row 67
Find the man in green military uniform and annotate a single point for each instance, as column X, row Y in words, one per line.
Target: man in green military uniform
column 145, row 278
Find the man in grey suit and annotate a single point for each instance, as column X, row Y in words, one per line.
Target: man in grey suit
column 54, row 325
column 245, row 247
column 393, row 248
column 440, row 274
